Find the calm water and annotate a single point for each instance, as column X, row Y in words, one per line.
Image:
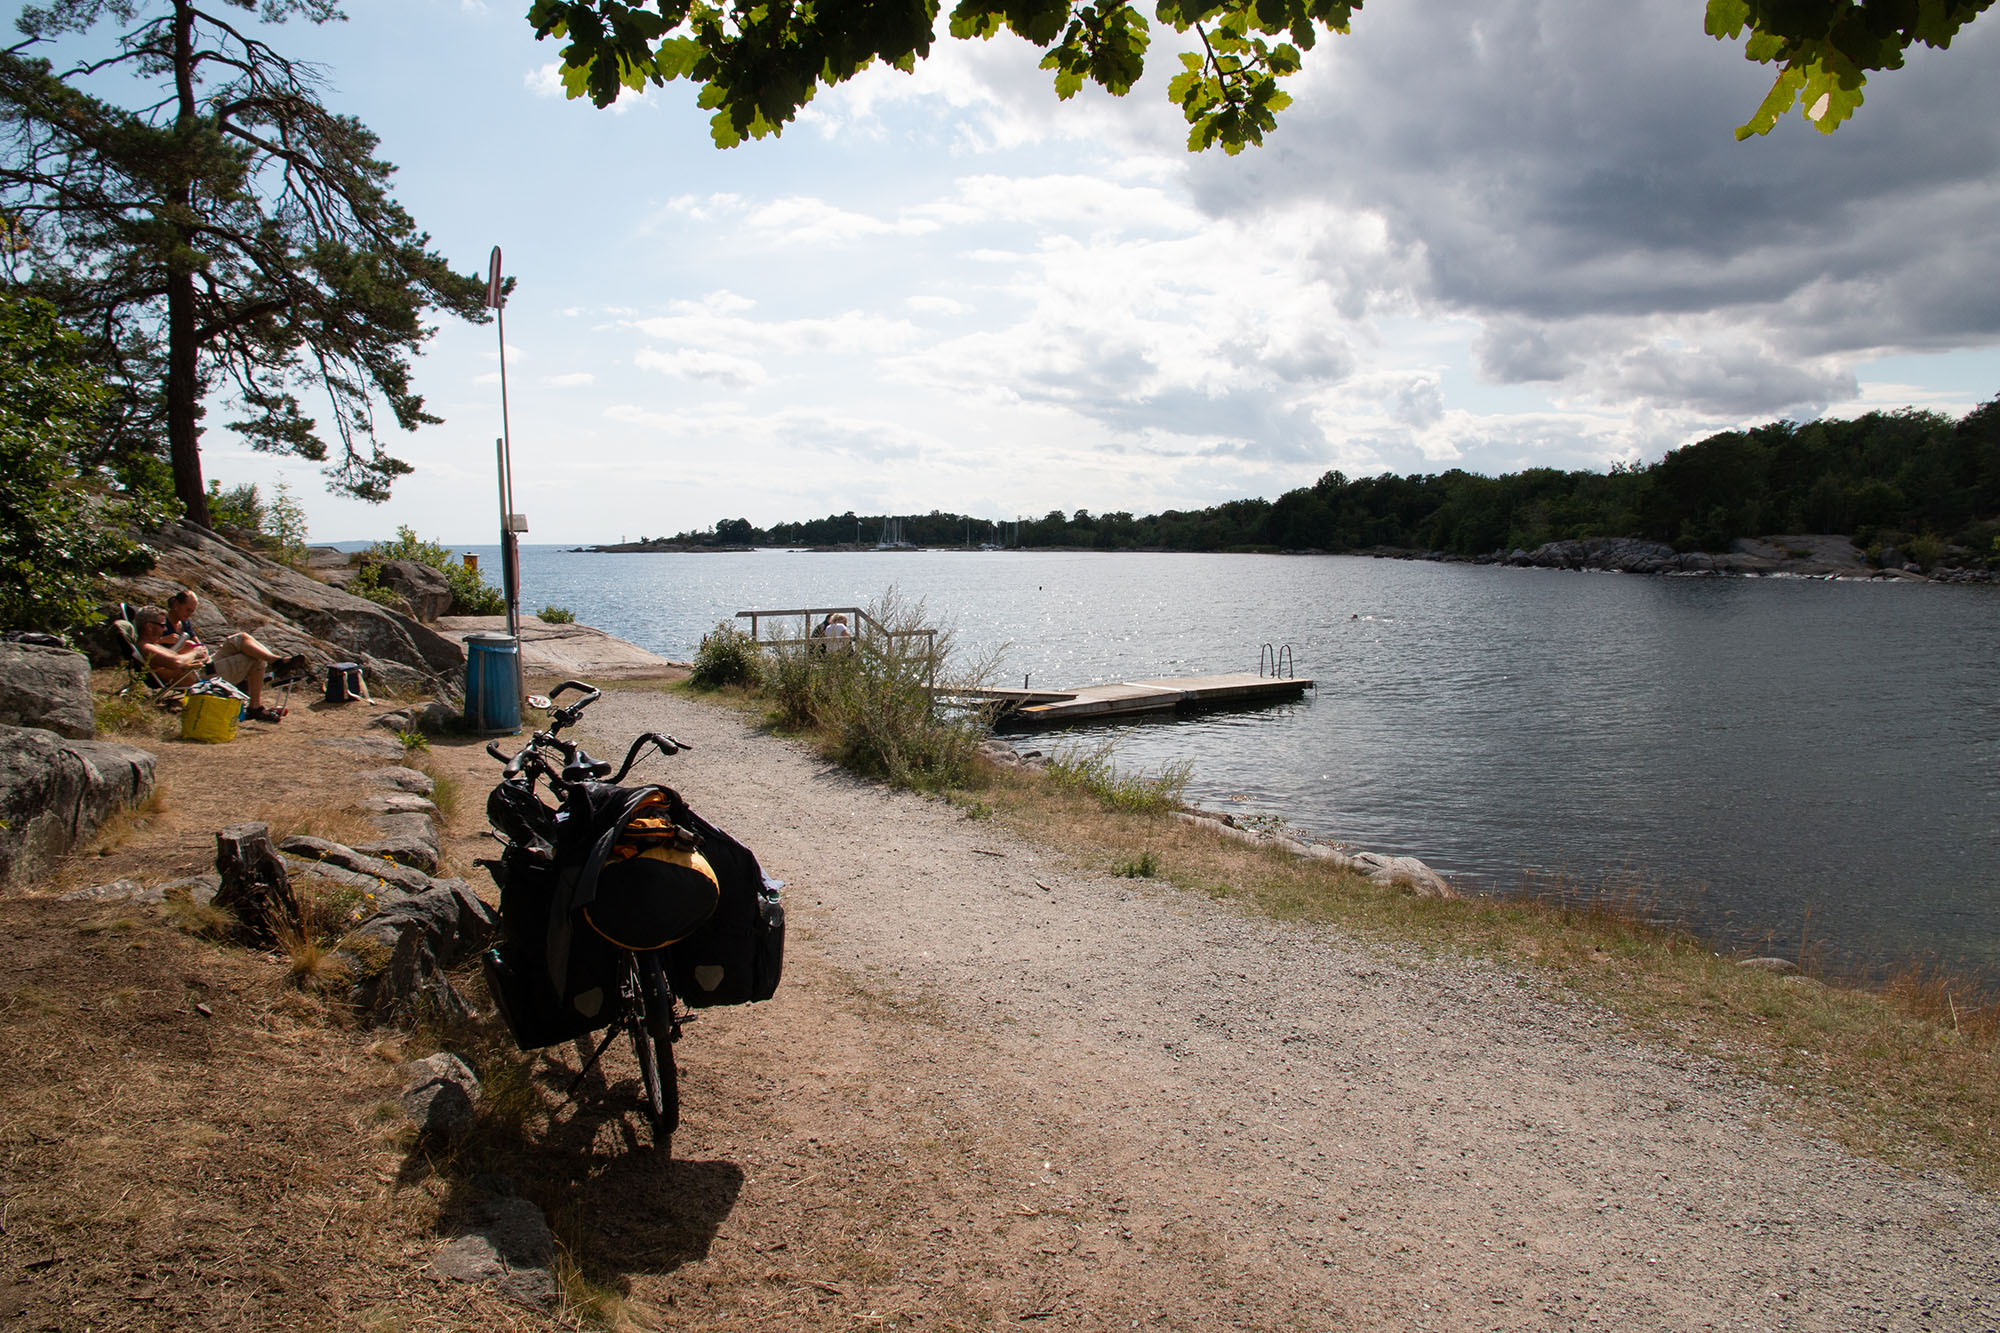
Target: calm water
column 1744, row 751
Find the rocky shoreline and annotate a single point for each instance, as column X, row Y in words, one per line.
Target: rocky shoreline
column 1799, row 556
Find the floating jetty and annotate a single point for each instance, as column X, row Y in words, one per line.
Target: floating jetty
column 1133, row 698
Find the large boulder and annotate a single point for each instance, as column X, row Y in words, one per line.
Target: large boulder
column 47, row 688
column 426, row 591
column 399, row 957
column 291, row 612
column 54, row 792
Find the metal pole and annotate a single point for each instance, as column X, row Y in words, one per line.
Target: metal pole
column 509, row 558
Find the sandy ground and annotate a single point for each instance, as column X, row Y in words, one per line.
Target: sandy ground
column 993, row 1092
column 1101, row 1102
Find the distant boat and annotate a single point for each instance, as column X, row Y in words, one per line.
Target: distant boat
column 892, row 537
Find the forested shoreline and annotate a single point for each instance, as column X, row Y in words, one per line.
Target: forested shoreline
column 1919, row 482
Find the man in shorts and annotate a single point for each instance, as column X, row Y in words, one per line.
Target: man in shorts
column 238, row 659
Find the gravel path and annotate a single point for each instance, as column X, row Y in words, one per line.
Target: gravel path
column 1294, row 1129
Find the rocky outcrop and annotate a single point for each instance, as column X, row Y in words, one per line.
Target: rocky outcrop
column 440, row 1098
column 1406, row 872
column 405, row 877
column 291, row 612
column 1809, row 555
column 54, row 792
column 47, row 688
column 399, row 957
column 567, row 652
column 426, row 591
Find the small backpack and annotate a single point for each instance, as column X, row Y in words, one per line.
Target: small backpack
column 344, row 684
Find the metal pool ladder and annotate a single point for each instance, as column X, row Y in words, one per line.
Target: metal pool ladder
column 1278, row 659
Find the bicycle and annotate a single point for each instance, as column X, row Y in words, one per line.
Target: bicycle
column 611, row 897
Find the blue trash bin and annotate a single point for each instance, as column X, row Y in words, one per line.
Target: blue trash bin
column 492, row 684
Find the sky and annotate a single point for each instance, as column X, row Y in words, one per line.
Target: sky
column 1488, row 234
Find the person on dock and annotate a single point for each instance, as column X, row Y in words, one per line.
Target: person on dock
column 837, row 637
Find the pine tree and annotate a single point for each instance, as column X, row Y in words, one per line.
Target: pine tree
column 232, row 236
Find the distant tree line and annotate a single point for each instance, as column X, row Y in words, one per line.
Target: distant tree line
column 1908, row 478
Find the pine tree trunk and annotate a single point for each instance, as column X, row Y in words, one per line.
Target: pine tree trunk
column 183, row 384
column 183, row 398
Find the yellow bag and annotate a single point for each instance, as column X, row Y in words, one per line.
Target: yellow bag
column 210, row 717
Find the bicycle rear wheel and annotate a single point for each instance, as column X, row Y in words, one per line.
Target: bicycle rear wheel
column 652, row 1028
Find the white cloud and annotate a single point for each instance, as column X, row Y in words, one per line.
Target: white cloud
column 577, row 379
column 545, row 80
column 734, row 372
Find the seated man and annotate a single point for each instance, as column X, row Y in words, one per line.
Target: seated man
column 241, row 660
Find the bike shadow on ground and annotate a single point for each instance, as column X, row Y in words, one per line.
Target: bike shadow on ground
column 615, row 1202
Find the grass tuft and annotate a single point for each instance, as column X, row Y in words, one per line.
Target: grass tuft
column 127, row 821
column 870, row 707
column 1089, row 770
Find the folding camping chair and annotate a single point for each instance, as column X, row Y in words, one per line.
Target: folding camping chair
column 158, row 691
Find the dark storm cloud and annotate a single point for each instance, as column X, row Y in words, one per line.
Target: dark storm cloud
column 1559, row 164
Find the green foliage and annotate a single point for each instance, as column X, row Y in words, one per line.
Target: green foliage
column 471, row 595
column 727, row 656
column 757, row 65
column 871, row 707
column 234, row 196
column 1825, row 49
column 1142, row 866
column 1900, row 472
column 558, row 615
column 240, row 509
column 276, row 527
column 63, row 523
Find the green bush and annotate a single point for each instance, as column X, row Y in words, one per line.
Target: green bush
column 65, row 515
column 727, row 656
column 470, row 594
column 558, row 615
column 276, row 527
column 872, row 707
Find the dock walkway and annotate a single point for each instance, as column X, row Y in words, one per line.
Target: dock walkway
column 1096, row 703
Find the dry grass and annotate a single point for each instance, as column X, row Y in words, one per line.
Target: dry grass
column 316, row 820
column 128, row 822
column 1909, row 1071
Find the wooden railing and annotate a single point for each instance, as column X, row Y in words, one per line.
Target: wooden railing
column 859, row 618
column 863, row 625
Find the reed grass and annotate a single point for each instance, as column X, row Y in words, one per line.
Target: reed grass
column 869, row 707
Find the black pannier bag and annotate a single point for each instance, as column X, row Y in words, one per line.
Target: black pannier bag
column 739, row 954
column 517, row 970
column 734, row 957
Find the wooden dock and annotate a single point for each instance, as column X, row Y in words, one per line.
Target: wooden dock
column 1102, row 703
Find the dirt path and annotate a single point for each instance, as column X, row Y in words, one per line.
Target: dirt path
column 993, row 1092
column 997, row 1090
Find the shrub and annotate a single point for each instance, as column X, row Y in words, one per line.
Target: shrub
column 727, row 656
column 276, row 527
column 471, row 595
column 872, row 706
column 1928, row 551
column 558, row 615
column 64, row 518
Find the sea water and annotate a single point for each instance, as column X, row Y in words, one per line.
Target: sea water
column 1775, row 760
